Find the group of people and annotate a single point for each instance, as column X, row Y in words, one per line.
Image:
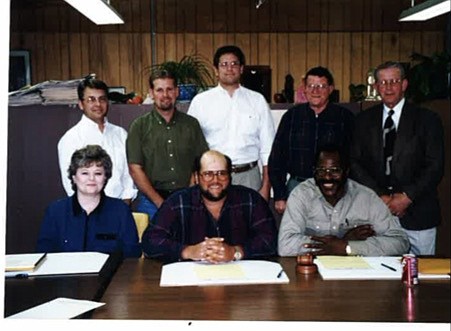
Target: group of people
column 344, row 184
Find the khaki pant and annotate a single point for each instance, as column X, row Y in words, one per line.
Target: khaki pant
column 251, row 178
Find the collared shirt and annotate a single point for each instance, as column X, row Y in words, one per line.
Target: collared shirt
column 298, row 136
column 112, row 140
column 396, row 115
column 165, row 150
column 183, row 220
column 110, row 227
column 240, row 126
column 308, row 213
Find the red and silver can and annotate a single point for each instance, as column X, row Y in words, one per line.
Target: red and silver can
column 409, row 269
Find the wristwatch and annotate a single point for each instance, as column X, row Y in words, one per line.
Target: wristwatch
column 237, row 256
column 348, row 250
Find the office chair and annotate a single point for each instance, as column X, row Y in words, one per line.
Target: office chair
column 141, row 221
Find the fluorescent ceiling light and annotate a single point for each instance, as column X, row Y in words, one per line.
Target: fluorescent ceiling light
column 425, row 10
column 98, row 11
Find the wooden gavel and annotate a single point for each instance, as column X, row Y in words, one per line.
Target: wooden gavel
column 305, row 264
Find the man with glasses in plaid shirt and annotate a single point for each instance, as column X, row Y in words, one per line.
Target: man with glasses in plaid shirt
column 213, row 221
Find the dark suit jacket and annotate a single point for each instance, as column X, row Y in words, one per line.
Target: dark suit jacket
column 418, row 160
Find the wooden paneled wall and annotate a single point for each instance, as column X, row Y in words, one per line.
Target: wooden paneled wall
column 347, row 36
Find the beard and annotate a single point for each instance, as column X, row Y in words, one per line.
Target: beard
column 207, row 195
column 165, row 105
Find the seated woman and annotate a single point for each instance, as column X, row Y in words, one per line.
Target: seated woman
column 89, row 220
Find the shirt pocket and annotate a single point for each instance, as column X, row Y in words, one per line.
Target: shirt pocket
column 106, row 242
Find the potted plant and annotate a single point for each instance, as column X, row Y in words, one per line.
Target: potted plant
column 357, row 92
column 429, row 77
column 193, row 73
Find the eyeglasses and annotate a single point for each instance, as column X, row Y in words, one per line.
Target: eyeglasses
column 334, row 171
column 317, row 86
column 389, row 82
column 233, row 64
column 92, row 99
column 209, row 175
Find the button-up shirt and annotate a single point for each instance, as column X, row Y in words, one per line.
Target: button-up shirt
column 298, row 136
column 397, row 110
column 165, row 150
column 240, row 126
column 183, row 220
column 112, row 140
column 108, row 228
column 308, row 214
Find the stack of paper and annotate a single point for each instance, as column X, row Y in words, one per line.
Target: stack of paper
column 382, row 267
column 64, row 264
column 24, row 97
column 357, row 267
column 48, row 92
column 233, row 273
column 23, row 262
column 60, row 92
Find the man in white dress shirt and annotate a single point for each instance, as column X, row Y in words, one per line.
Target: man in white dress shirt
column 94, row 129
column 236, row 121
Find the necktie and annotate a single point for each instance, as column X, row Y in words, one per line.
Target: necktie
column 389, row 137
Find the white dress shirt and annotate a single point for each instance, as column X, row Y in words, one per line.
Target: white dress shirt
column 397, row 110
column 112, row 139
column 240, row 126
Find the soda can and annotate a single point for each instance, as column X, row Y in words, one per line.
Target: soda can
column 409, row 264
column 410, row 308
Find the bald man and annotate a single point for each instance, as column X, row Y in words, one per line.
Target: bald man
column 213, row 221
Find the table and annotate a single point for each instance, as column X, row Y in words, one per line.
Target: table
column 22, row 294
column 134, row 293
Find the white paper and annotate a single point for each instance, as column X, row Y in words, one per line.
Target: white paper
column 234, row 273
column 376, row 270
column 67, row 263
column 18, row 262
column 60, row 308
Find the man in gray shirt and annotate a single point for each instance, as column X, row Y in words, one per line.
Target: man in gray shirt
column 333, row 215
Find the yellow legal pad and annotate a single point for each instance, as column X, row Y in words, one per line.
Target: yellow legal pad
column 219, row 271
column 434, row 266
column 23, row 262
column 343, row 262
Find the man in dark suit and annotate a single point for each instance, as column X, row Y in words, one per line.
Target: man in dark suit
column 398, row 151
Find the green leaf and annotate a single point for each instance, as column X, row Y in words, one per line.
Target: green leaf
column 191, row 69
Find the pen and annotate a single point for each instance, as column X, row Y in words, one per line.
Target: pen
column 20, row 276
column 41, row 259
column 388, row 267
column 280, row 274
